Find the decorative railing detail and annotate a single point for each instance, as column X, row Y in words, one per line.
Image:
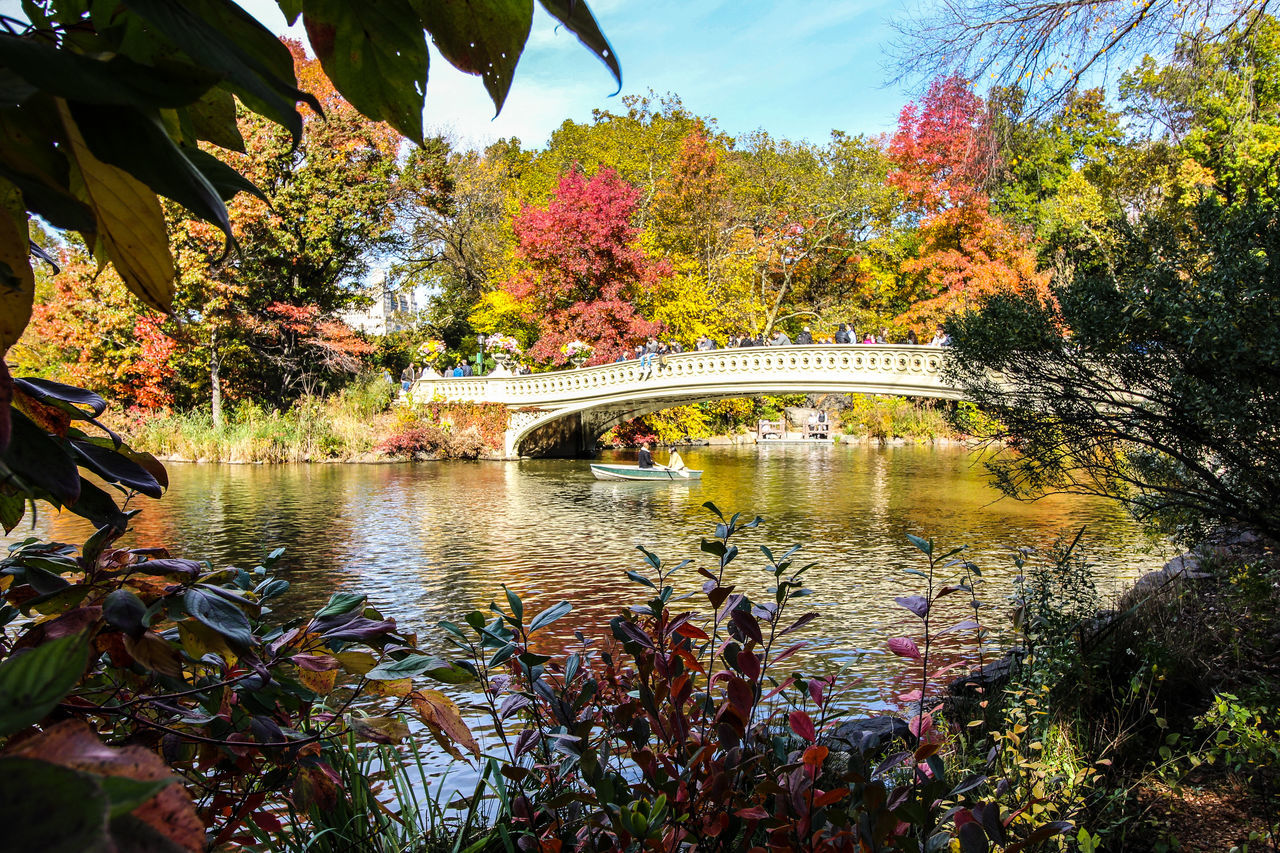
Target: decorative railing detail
column 919, row 368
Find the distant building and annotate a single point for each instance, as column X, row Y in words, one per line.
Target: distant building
column 391, row 310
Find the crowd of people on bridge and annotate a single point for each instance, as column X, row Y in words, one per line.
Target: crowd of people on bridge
column 844, row 334
column 651, row 353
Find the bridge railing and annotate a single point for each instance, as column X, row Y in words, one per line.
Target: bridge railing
column 920, row 365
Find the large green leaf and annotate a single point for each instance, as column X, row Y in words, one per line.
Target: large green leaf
column 12, row 508
column 415, row 665
column 33, row 683
column 125, row 611
column 578, row 19
column 118, row 80
column 99, row 507
column 115, row 467
column 213, row 119
column 222, row 616
column 69, row 398
column 341, row 603
column 138, row 143
column 63, row 811
column 219, row 35
column 484, row 37
column 30, row 159
column 131, row 227
column 40, row 460
column 226, row 180
column 291, row 9
column 376, row 55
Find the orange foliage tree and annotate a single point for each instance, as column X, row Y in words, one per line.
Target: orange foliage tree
column 942, row 152
column 87, row 330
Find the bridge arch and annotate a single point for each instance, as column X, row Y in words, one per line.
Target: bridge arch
column 564, row 412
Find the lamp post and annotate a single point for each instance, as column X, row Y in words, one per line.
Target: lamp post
column 480, row 339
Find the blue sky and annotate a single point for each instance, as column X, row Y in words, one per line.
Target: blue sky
column 797, row 68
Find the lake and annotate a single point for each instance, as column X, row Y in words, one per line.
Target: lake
column 432, row 541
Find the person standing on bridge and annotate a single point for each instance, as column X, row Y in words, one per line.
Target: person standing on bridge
column 647, row 357
column 408, row 375
column 805, row 338
column 780, row 340
column 644, row 459
column 842, row 334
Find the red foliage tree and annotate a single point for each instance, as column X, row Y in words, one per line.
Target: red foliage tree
column 941, row 154
column 941, row 150
column 87, row 330
column 583, row 269
column 306, row 346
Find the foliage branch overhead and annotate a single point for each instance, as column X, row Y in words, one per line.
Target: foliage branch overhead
column 106, row 110
column 1047, row 49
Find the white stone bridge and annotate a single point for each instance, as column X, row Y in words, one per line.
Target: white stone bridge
column 563, row 413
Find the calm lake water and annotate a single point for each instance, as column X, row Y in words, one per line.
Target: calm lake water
column 432, row 541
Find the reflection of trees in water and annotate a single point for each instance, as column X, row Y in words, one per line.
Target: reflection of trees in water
column 433, row 541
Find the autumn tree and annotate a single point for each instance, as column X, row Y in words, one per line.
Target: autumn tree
column 1048, row 47
column 582, row 269
column 455, row 209
column 640, row 145
column 805, row 216
column 107, row 343
column 691, row 224
column 941, row 158
column 322, row 210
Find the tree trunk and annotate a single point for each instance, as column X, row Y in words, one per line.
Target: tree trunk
column 215, row 380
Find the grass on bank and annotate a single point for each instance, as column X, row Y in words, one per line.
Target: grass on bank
column 1151, row 726
column 342, row 426
column 881, row 418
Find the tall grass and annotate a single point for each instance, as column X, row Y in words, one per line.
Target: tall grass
column 383, row 800
column 340, row 426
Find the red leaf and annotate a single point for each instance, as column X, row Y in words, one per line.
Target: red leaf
column 752, row 813
column 802, row 725
column 920, row 725
column 904, row 647
column 829, row 797
column 691, row 631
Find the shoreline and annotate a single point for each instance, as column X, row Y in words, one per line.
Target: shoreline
column 375, row 458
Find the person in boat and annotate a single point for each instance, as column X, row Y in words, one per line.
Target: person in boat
column 644, row 459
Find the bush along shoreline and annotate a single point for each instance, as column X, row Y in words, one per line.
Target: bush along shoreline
column 365, row 423
column 144, row 696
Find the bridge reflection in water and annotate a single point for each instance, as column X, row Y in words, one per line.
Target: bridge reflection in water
column 564, row 412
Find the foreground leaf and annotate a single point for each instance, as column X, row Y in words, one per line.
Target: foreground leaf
column 131, row 229
column 444, row 721
column 32, row 683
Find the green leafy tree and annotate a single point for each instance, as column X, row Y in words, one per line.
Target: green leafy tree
column 1149, row 376
column 456, row 210
column 321, row 209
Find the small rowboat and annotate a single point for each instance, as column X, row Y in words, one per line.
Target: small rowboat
column 677, row 471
